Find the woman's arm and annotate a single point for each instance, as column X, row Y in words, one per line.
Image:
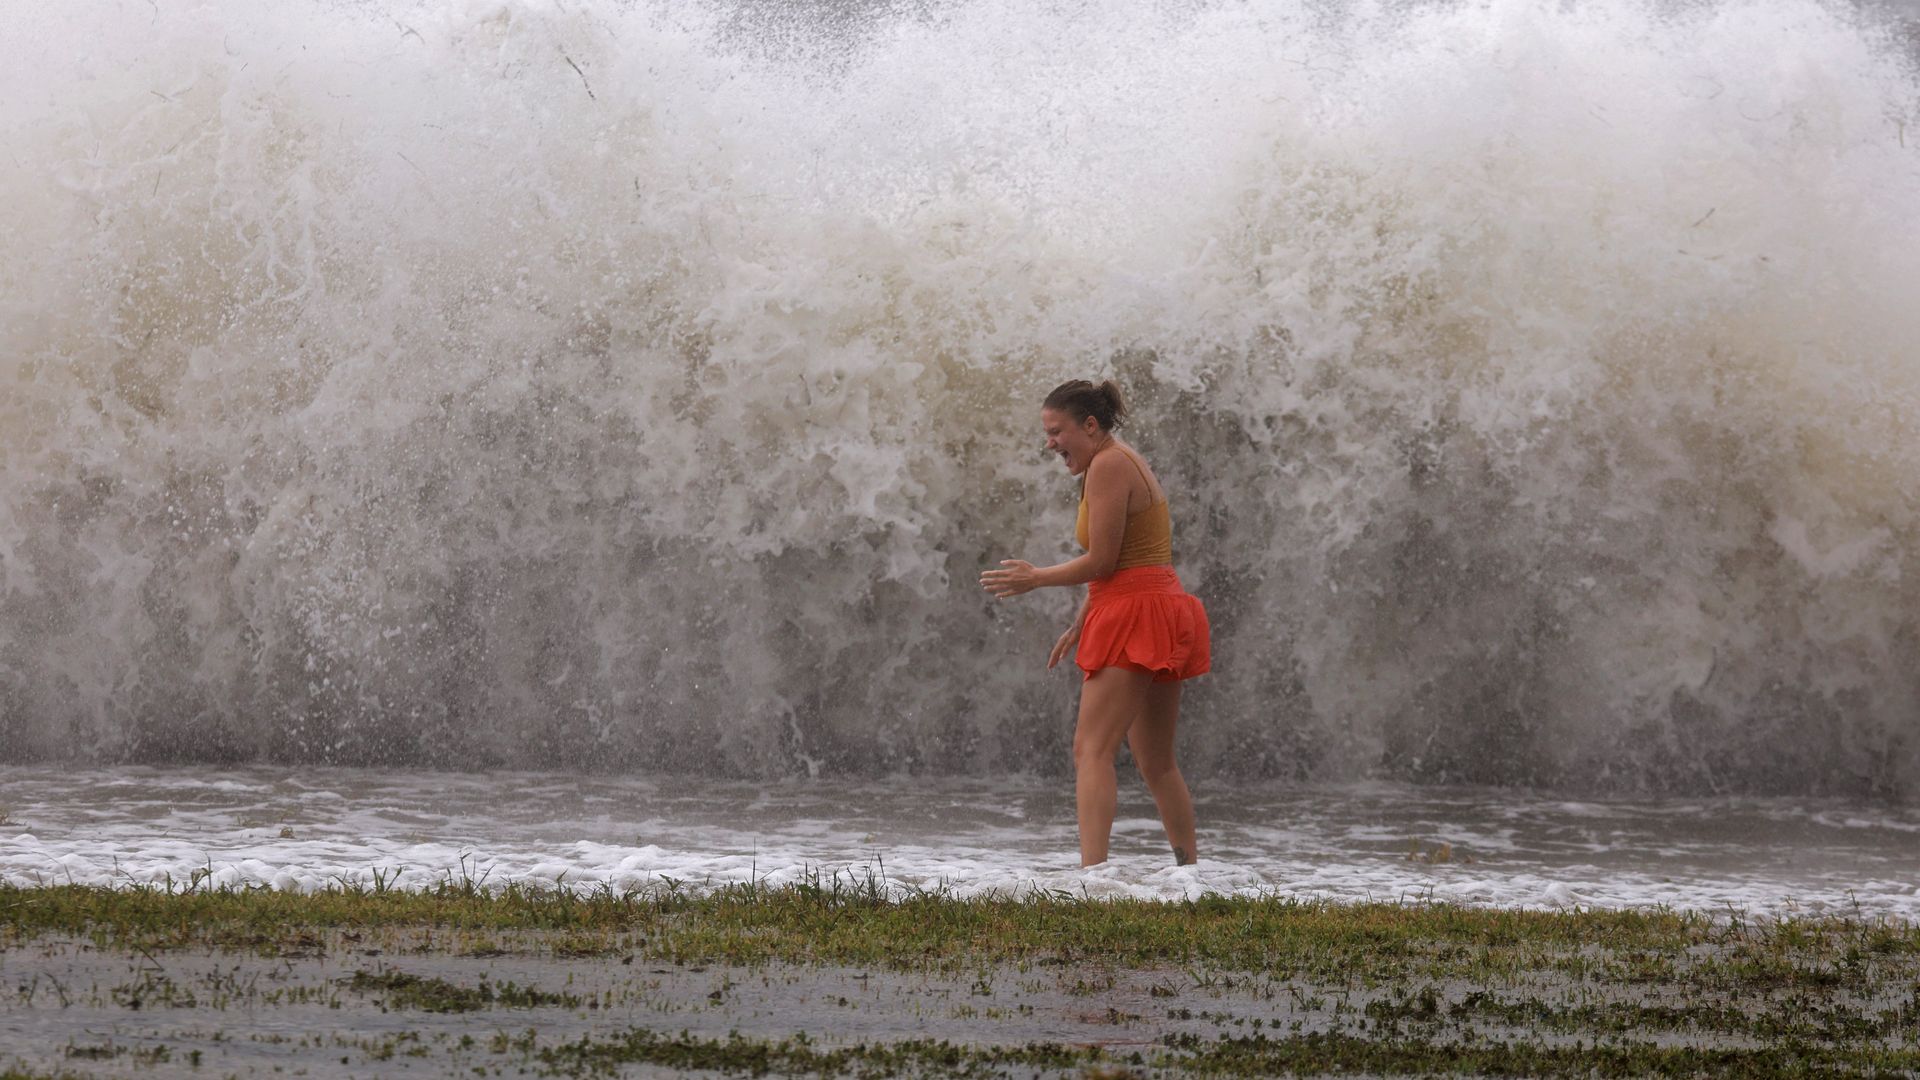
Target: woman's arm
column 1106, row 527
column 1070, row 638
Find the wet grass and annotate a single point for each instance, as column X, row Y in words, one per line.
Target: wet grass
column 1259, row 1055
column 1243, row 986
column 1341, row 1053
column 1280, row 937
column 799, row 1055
column 404, row 991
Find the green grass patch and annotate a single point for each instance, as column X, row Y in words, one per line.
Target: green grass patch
column 404, row 991
column 1228, row 986
column 1341, row 1053
column 1257, row 1055
column 799, row 1055
column 1280, row 936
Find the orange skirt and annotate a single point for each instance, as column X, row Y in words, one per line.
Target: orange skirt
column 1141, row 618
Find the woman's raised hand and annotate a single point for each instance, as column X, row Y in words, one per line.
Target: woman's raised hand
column 1016, row 579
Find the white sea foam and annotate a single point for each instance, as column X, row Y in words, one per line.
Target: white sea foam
column 641, row 386
column 1761, row 857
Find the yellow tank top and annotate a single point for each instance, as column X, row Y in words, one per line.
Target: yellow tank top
column 1148, row 540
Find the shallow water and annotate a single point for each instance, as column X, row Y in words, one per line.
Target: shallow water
column 307, row 828
column 324, row 1011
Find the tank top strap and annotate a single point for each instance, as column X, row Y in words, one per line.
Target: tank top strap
column 1147, row 541
column 1142, row 469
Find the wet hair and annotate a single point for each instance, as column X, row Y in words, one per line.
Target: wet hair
column 1081, row 399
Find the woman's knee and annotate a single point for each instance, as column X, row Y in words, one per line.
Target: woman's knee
column 1155, row 768
column 1093, row 753
column 1095, row 748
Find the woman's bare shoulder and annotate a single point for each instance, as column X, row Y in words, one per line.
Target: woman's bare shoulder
column 1144, row 471
column 1123, row 473
column 1108, row 471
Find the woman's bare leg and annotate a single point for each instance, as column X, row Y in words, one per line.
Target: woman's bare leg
column 1151, row 741
column 1110, row 703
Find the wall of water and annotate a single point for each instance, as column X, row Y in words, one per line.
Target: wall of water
column 642, row 387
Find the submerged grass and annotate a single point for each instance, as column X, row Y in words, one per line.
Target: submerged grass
column 797, row 1055
column 1320, row 1053
column 401, row 990
column 1229, row 986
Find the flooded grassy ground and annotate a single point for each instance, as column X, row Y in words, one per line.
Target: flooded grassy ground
column 835, row 980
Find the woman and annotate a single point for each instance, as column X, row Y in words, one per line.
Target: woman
column 1138, row 633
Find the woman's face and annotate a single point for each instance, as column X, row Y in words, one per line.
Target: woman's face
column 1074, row 442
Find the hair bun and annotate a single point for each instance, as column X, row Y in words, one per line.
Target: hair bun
column 1081, row 399
column 1115, row 403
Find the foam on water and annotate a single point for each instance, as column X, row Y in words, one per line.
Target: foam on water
column 642, row 386
column 308, row 829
